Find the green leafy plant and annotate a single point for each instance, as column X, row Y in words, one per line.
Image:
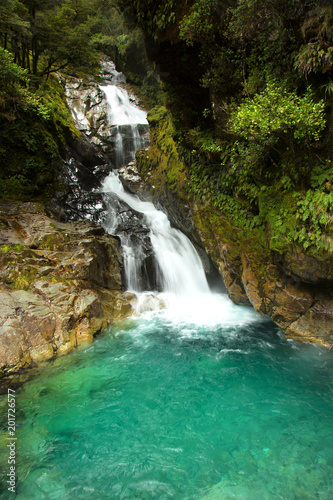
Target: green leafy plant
column 277, row 111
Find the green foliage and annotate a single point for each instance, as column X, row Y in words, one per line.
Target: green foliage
column 154, row 16
column 277, row 111
column 255, row 58
column 33, row 131
column 302, row 219
column 42, row 38
column 13, row 19
column 156, row 116
column 201, row 21
column 312, row 58
column 8, row 248
column 322, row 176
column 162, row 162
column 240, row 181
column 14, row 93
column 315, row 211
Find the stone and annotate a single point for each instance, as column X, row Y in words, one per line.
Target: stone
column 306, row 268
column 61, row 284
column 251, row 285
column 234, row 286
column 132, row 180
column 319, row 317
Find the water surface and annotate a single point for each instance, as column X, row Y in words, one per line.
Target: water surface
column 180, row 406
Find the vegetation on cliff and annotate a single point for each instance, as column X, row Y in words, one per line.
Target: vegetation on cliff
column 248, row 101
column 37, row 40
column 259, row 148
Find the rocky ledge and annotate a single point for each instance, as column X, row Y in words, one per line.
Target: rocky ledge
column 61, row 284
column 300, row 306
column 294, row 289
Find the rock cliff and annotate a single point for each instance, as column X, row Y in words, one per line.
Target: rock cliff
column 60, row 285
column 302, row 309
column 295, row 288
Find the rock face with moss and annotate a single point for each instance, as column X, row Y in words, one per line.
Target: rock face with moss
column 292, row 286
column 60, row 285
column 302, row 309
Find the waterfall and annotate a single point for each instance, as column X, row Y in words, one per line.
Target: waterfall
column 169, row 254
column 128, row 123
column 178, row 267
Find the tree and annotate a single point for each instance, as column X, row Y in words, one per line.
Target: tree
column 12, row 22
column 276, row 111
column 14, row 92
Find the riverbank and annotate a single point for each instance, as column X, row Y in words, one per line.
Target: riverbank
column 61, row 284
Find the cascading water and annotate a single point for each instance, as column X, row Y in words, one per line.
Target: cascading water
column 179, row 269
column 207, row 402
column 126, row 121
column 175, row 261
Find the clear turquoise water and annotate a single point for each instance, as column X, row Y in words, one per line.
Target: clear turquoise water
column 165, row 409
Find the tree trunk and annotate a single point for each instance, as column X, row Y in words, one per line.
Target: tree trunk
column 28, row 58
column 23, row 55
column 34, row 52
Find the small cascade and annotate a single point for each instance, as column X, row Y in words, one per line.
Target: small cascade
column 157, row 257
column 129, row 124
column 177, row 265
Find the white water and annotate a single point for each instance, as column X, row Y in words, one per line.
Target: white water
column 121, row 111
column 180, row 274
column 125, row 119
column 186, row 300
column 180, row 270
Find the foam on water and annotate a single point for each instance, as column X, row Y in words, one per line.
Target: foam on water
column 179, row 269
column 195, row 398
column 161, row 409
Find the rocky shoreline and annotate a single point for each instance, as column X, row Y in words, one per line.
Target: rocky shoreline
column 62, row 278
column 295, row 290
column 303, row 310
column 61, row 284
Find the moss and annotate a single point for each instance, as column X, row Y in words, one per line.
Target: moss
column 47, row 241
column 156, row 115
column 16, row 248
column 161, row 162
column 221, row 235
column 162, row 167
column 21, row 280
column 32, row 146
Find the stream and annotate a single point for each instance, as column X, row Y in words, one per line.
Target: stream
column 201, row 399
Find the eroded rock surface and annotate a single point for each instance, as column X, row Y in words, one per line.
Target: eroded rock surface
column 60, row 285
column 93, row 115
column 296, row 291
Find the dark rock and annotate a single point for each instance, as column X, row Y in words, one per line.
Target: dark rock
column 306, row 268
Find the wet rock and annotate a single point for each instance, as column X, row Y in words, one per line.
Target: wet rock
column 91, row 111
column 132, row 180
column 61, row 284
column 294, row 290
column 132, row 229
column 317, row 319
column 306, row 268
column 284, row 301
column 234, row 286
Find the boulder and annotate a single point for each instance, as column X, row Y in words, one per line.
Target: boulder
column 61, row 284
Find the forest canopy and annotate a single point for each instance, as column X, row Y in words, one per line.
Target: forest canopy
column 39, row 38
column 247, row 85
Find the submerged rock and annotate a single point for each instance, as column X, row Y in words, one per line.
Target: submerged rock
column 61, row 284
